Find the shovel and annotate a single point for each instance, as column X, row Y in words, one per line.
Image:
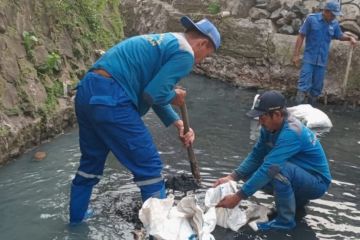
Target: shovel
column 191, row 155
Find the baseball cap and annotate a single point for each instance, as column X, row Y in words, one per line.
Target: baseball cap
column 266, row 102
column 333, row 7
column 205, row 27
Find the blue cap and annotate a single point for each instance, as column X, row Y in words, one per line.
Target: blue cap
column 334, row 8
column 205, row 27
column 267, row 102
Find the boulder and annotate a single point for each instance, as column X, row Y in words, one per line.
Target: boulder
column 299, row 8
column 273, row 5
column 350, row 11
column 351, row 26
column 40, row 55
column 257, row 13
column 275, row 15
column 238, row 8
column 286, row 29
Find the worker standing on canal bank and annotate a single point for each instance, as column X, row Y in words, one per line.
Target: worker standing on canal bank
column 318, row 29
column 287, row 160
column 133, row 76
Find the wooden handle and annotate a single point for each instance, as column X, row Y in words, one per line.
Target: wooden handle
column 191, row 155
column 347, row 71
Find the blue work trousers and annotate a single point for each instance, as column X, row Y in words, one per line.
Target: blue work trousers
column 292, row 188
column 108, row 121
column 311, row 79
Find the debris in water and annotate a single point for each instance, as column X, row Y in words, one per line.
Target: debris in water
column 182, row 183
column 39, row 156
column 129, row 212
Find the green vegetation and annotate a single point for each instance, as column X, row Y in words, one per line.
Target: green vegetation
column 214, row 7
column 4, row 130
column 29, row 40
column 52, row 65
column 53, row 92
column 15, row 111
column 91, row 16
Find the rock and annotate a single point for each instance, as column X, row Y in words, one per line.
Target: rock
column 350, row 11
column 351, row 26
column 257, row 13
column 40, row 55
column 275, row 15
column 289, row 17
column 238, row 8
column 310, row 4
column 296, row 24
column 299, row 9
column 273, row 5
column 39, row 156
column 262, row 6
column 283, row 12
column 286, row 29
column 281, row 22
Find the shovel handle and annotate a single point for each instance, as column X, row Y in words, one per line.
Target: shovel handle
column 347, row 71
column 191, row 155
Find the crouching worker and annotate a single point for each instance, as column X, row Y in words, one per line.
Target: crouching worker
column 133, row 76
column 287, row 159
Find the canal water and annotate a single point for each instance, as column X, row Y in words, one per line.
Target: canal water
column 34, row 194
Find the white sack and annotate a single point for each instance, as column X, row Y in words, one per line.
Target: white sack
column 310, row 116
column 236, row 217
column 233, row 218
column 165, row 221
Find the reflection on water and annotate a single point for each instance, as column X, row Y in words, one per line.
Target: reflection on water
column 34, row 195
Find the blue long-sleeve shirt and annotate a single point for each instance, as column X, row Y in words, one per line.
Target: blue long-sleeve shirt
column 319, row 33
column 293, row 143
column 148, row 67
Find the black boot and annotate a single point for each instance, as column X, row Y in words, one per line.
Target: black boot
column 300, row 97
column 312, row 100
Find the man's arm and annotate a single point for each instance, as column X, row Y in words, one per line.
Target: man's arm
column 287, row 145
column 161, row 89
column 298, row 45
column 351, row 39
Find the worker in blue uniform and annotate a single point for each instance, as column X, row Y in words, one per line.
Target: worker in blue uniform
column 287, row 159
column 130, row 78
column 318, row 29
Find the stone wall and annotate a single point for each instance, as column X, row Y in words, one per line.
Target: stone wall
column 45, row 48
column 252, row 54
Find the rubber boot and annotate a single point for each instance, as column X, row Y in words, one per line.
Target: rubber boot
column 285, row 219
column 156, row 190
column 300, row 97
column 312, row 100
column 79, row 201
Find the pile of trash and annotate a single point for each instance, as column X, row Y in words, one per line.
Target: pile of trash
column 164, row 219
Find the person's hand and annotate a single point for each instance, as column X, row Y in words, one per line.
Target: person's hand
column 223, row 180
column 179, row 98
column 187, row 138
column 296, row 60
column 229, row 201
column 353, row 41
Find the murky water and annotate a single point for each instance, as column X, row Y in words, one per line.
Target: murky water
column 34, row 194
